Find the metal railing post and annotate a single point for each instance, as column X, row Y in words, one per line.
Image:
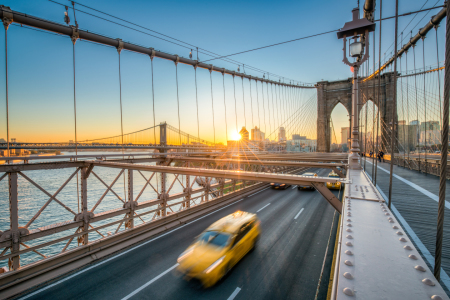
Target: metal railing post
column 129, row 224
column 84, row 239
column 14, row 262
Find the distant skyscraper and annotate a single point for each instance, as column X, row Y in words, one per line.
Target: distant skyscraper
column 244, row 134
column 281, row 134
column 257, row 134
column 345, row 131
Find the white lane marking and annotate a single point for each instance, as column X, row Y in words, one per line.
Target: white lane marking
column 258, row 192
column 445, row 279
column 150, row 282
column 298, row 214
column 236, row 291
column 415, row 186
column 263, row 207
column 120, row 254
column 294, row 187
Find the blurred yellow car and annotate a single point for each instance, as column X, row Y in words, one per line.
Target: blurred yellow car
column 217, row 249
column 309, row 174
column 333, row 186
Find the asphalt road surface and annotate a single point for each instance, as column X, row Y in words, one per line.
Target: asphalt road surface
column 287, row 263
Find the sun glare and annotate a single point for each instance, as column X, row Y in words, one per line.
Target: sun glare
column 235, row 136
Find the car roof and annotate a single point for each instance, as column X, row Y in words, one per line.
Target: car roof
column 333, row 174
column 309, row 174
column 232, row 222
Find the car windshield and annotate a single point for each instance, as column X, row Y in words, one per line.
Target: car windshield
column 215, row 238
column 308, row 174
column 334, row 176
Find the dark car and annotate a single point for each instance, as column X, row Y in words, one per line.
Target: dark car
column 279, row 186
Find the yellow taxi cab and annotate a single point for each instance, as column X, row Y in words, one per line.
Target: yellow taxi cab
column 217, row 249
column 333, row 186
column 308, row 174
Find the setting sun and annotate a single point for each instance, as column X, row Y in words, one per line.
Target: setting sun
column 235, row 136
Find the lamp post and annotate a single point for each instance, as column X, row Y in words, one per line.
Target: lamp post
column 358, row 31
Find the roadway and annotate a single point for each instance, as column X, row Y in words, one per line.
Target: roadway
column 287, row 263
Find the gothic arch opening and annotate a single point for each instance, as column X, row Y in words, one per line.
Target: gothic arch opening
column 339, row 128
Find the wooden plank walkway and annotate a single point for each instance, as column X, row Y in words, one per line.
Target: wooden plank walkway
column 417, row 207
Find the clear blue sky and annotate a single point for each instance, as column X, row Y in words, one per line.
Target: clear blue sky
column 40, row 64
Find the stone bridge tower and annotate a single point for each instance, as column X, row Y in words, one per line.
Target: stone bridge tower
column 330, row 93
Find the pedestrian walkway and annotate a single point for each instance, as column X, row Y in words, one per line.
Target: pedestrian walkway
column 415, row 204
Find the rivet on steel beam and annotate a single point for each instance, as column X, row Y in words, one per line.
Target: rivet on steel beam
column 349, row 225
column 387, row 214
column 436, row 297
column 348, row 263
column 407, row 247
column 349, row 220
column 395, row 227
column 348, row 230
column 384, row 210
column 348, row 275
column 348, row 291
column 399, row 233
column 391, row 221
column 402, row 239
column 420, row 268
column 349, row 214
column 349, row 236
column 349, row 243
column 428, row 281
column 348, row 252
column 412, row 256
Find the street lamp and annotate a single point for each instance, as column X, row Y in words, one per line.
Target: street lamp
column 358, row 31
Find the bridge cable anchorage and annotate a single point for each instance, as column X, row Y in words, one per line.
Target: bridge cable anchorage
column 196, row 99
column 152, row 55
column 7, row 20
column 178, row 98
column 225, row 106
column 212, row 104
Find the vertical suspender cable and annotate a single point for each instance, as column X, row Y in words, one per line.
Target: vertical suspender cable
column 403, row 108
column 6, row 90
column 367, row 107
column 251, row 101
column 444, row 155
column 235, row 104
column 373, row 109
column 196, row 101
column 153, row 100
column 276, row 104
column 119, row 49
column 257, row 103
column 268, row 106
column 243, row 101
column 438, row 75
column 379, row 91
column 225, row 106
column 178, row 101
column 425, row 104
column 407, row 110
column 212, row 106
column 417, row 105
column 264, row 107
column 394, row 107
column 75, row 120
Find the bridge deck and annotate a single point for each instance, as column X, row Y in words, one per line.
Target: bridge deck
column 414, row 203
